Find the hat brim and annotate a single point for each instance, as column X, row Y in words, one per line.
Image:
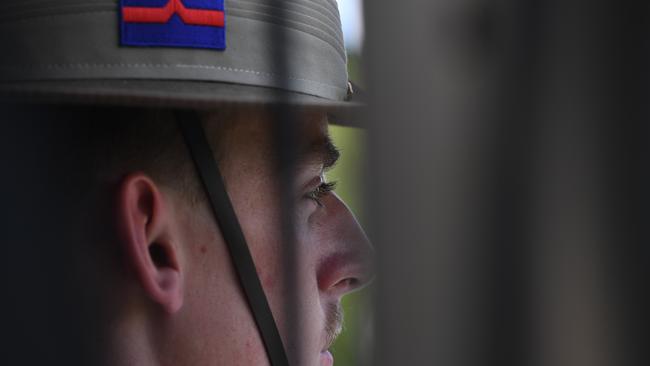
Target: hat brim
column 172, row 94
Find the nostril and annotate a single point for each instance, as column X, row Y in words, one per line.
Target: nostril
column 348, row 284
column 353, row 283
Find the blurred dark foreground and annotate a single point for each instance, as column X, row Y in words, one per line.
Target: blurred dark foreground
column 54, row 296
column 510, row 161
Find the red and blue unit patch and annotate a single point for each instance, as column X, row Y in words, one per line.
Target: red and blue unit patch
column 173, row 23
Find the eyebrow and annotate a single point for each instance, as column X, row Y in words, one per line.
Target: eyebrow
column 322, row 151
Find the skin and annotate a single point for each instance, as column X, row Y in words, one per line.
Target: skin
column 181, row 303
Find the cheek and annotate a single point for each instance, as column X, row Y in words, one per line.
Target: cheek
column 268, row 278
column 264, row 238
column 222, row 329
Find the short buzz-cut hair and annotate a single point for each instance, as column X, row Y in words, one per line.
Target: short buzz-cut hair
column 104, row 143
column 124, row 140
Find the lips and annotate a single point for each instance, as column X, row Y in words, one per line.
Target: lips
column 326, row 358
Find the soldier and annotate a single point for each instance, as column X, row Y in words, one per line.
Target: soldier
column 155, row 125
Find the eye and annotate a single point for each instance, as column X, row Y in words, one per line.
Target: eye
column 321, row 191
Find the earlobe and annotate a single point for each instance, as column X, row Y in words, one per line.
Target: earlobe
column 148, row 241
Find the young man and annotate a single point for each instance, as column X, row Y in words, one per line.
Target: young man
column 186, row 263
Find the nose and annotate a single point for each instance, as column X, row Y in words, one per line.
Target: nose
column 348, row 258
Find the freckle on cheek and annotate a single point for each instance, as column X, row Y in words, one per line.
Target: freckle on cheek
column 268, row 281
column 204, row 249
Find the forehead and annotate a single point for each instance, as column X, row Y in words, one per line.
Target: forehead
column 246, row 135
column 241, row 125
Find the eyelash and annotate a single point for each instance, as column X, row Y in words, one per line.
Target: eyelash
column 321, row 191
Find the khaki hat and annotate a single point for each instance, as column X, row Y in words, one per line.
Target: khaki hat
column 176, row 53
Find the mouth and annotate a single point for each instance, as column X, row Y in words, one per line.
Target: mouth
column 326, row 358
column 333, row 327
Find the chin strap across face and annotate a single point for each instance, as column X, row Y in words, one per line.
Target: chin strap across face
column 194, row 135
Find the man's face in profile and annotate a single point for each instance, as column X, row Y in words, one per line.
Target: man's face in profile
column 207, row 319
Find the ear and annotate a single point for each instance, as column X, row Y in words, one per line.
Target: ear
column 150, row 247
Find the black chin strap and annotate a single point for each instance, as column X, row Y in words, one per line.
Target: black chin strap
column 210, row 175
